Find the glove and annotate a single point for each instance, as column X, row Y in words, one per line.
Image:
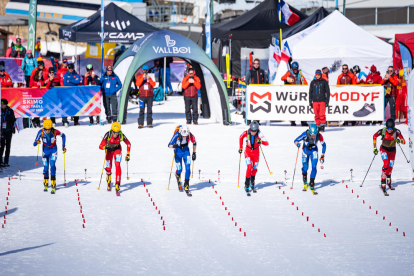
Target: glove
column 322, row 160
column 259, row 141
column 64, row 149
column 194, row 156
column 402, row 141
column 175, row 146
column 375, row 151
column 38, row 142
column 240, row 151
column 127, row 157
column 398, row 140
column 298, row 145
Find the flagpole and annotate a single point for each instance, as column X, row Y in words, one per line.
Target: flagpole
column 280, row 26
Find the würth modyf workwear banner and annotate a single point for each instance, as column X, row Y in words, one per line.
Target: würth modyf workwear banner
column 291, row 103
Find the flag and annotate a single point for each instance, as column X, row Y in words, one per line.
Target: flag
column 286, row 53
column 288, row 17
column 277, row 54
column 208, row 30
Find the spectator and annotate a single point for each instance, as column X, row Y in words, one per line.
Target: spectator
column 374, row 77
column 62, row 71
column 358, row 75
column 5, row 79
column 38, row 80
column 325, row 73
column 71, row 78
column 295, row 77
column 52, row 81
column 110, row 84
column 91, row 79
column 401, row 102
column 319, row 94
column 191, row 83
column 118, row 54
column 168, row 85
column 6, row 132
column 40, row 66
column 38, row 48
column 146, row 96
column 18, row 51
column 346, row 78
column 390, row 82
column 28, row 65
column 256, row 75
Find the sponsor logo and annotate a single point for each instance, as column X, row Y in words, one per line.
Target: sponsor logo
column 122, row 36
column 67, row 34
column 169, row 41
column 118, row 25
column 253, row 95
column 170, row 49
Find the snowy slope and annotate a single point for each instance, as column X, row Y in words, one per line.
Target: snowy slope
column 43, row 234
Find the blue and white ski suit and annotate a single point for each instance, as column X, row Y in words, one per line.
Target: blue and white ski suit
column 310, row 150
column 182, row 152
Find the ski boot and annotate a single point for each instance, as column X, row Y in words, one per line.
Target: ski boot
column 178, row 177
column 45, row 183
column 389, row 183
column 108, row 180
column 187, row 187
column 246, row 186
column 117, row 188
column 312, row 186
column 384, row 187
column 252, row 178
column 305, row 182
column 53, row 182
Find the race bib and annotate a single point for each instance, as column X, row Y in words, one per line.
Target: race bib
column 4, row 125
column 118, row 158
column 107, row 164
column 108, row 85
column 188, row 160
column 145, row 86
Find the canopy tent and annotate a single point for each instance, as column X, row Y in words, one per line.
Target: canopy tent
column 120, row 26
column 253, row 29
column 334, row 41
column 403, row 51
column 162, row 44
column 314, row 18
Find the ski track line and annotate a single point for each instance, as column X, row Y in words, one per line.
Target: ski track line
column 80, row 204
column 376, row 211
column 154, row 205
column 7, row 200
column 297, row 208
column 226, row 209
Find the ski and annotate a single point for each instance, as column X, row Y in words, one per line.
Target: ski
column 314, row 192
column 118, row 193
column 384, row 191
column 53, row 191
column 188, row 193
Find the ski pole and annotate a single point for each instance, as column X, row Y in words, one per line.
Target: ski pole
column 296, row 162
column 238, row 181
column 64, row 169
column 103, row 166
column 172, row 163
column 265, row 160
column 408, row 161
column 192, row 170
column 127, row 171
column 37, row 158
column 368, row 170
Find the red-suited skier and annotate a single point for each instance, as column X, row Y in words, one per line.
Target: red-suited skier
column 390, row 137
column 111, row 142
column 254, row 138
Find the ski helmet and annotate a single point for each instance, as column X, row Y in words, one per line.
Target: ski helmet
column 390, row 124
column 184, row 131
column 313, row 129
column 47, row 124
column 254, row 126
column 295, row 65
column 116, row 127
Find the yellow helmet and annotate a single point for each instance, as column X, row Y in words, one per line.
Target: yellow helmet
column 116, row 127
column 47, row 124
column 401, row 73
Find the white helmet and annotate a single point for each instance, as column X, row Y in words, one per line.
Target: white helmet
column 184, row 131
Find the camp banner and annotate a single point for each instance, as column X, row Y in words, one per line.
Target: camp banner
column 291, row 102
column 55, row 102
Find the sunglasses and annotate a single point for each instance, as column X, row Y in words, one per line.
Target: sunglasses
column 1, row 71
column 256, row 63
column 109, row 70
column 344, row 68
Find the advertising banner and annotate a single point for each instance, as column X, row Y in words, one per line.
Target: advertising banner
column 55, row 102
column 291, row 102
column 32, row 25
column 14, row 68
column 410, row 117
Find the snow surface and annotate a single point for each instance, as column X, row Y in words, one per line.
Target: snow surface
column 43, row 234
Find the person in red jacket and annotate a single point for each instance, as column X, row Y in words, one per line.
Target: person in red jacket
column 390, row 82
column 146, row 96
column 111, row 143
column 390, row 137
column 254, row 138
column 401, row 103
column 40, row 66
column 62, row 71
column 325, row 74
column 191, row 83
column 38, row 81
column 5, row 79
column 346, row 78
column 374, row 77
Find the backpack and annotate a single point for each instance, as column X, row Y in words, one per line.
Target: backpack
column 158, row 94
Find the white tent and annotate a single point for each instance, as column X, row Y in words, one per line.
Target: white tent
column 335, row 41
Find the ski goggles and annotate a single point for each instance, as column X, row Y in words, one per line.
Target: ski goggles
column 390, row 128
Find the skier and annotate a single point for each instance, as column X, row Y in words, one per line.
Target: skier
column 254, row 138
column 310, row 139
column 111, row 142
column 389, row 136
column 48, row 135
column 179, row 142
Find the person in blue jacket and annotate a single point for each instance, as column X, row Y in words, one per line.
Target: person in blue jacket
column 47, row 137
column 310, row 139
column 71, row 78
column 28, row 65
column 110, row 84
column 179, row 142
